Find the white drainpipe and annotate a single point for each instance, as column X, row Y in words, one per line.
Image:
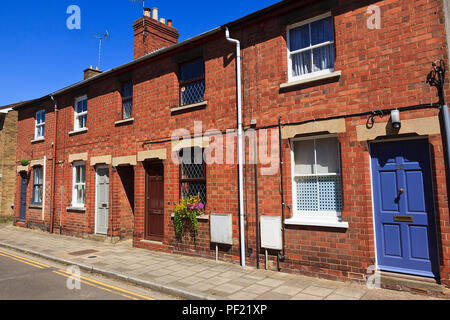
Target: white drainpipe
column 239, row 141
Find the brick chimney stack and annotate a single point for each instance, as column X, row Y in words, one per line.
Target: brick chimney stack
column 156, row 35
column 91, row 72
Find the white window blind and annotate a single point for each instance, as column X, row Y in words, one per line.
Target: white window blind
column 317, row 178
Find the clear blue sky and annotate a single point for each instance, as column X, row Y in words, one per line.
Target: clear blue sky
column 39, row 54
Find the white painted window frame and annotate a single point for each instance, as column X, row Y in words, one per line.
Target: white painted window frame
column 35, row 168
column 291, row 78
column 80, row 114
column 38, row 125
column 75, row 203
column 314, row 218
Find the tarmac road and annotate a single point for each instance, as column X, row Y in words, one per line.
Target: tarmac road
column 23, row 277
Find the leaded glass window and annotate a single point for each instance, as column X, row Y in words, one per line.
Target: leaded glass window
column 193, row 173
column 127, row 100
column 192, row 82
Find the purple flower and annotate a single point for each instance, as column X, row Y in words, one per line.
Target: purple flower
column 190, row 207
column 199, row 206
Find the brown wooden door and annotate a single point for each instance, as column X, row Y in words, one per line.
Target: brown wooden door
column 154, row 229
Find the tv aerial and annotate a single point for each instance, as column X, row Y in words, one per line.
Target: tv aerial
column 143, row 21
column 100, row 37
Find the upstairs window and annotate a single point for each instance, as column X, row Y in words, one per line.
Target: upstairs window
column 37, row 185
column 39, row 125
column 311, row 49
column 192, row 82
column 127, row 100
column 193, row 173
column 80, row 113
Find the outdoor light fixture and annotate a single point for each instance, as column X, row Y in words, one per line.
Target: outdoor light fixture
column 395, row 118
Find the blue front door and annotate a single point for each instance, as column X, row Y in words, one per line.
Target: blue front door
column 23, row 197
column 403, row 206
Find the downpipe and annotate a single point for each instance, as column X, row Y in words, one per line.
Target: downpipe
column 239, row 142
column 281, row 256
column 52, row 193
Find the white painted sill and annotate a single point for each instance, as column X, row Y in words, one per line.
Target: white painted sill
column 78, row 132
column 331, row 223
column 287, row 85
column 190, row 106
column 124, row 121
column 37, row 140
column 202, row 217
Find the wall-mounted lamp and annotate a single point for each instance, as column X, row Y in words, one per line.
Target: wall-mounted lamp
column 395, row 119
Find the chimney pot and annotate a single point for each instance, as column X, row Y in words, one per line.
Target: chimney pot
column 169, row 23
column 162, row 20
column 155, row 13
column 147, row 12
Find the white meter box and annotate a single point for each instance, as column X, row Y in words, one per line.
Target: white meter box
column 221, row 229
column 271, row 232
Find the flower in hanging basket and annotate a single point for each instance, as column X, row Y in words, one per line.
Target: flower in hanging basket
column 189, row 208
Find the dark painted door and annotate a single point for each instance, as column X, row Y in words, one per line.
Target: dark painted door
column 23, row 197
column 155, row 201
column 404, row 210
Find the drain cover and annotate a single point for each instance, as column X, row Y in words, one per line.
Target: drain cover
column 83, row 252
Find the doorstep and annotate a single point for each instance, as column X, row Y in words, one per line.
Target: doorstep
column 411, row 283
column 103, row 238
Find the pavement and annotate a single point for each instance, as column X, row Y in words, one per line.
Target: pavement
column 186, row 277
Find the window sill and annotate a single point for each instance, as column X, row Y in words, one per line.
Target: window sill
column 76, row 209
column 72, row 133
column 327, row 77
column 189, row 106
column 330, row 223
column 37, row 140
column 201, row 217
column 124, row 121
column 35, row 206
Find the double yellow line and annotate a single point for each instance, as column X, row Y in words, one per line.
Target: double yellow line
column 23, row 260
column 93, row 283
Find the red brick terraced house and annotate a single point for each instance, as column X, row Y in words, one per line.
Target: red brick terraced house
column 338, row 86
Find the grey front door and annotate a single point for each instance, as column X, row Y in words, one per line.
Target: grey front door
column 101, row 220
column 23, row 196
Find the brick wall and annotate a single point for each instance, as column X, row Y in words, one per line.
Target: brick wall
column 381, row 69
column 8, row 143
